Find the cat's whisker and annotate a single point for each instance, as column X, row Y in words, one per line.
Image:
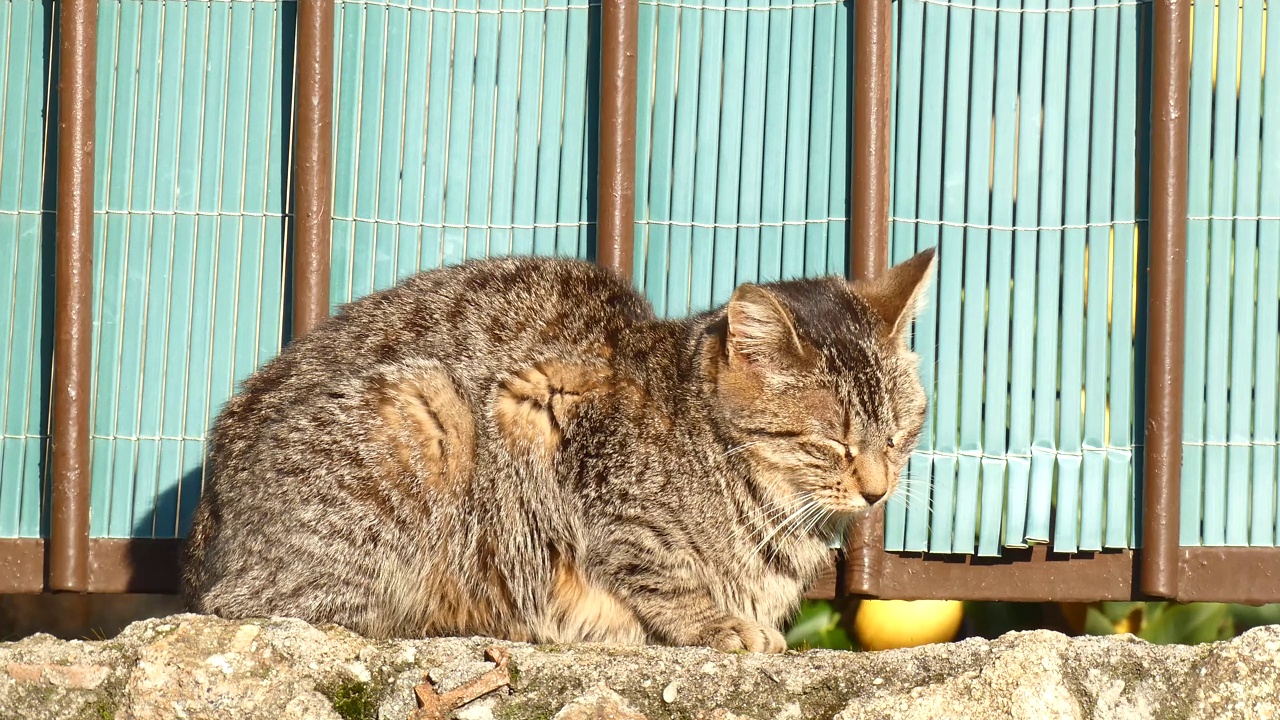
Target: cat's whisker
column 767, row 514
column 812, row 510
column 770, row 510
column 913, row 497
column 818, row 521
column 802, row 527
column 809, row 521
column 804, row 509
column 739, row 448
column 914, row 500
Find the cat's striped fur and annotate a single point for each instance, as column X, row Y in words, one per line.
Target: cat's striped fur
column 519, row 448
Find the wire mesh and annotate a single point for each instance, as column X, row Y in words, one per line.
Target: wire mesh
column 742, row 162
column 27, row 157
column 190, row 233
column 1229, row 479
column 1027, row 178
column 464, row 129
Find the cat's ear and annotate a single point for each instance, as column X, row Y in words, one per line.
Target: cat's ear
column 899, row 294
column 762, row 333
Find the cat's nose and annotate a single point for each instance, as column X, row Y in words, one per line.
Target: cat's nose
column 872, row 475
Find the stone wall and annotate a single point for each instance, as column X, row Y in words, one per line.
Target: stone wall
column 188, row 666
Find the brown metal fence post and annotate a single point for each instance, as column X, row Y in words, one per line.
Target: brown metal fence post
column 313, row 164
column 1167, row 276
column 616, row 198
column 73, row 355
column 869, row 231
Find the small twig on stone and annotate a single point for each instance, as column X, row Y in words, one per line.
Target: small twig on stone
column 435, row 706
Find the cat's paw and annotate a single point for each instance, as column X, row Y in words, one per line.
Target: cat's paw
column 736, row 635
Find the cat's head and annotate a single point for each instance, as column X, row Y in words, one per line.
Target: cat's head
column 817, row 385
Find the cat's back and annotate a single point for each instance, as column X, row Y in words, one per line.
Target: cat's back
column 482, row 318
column 464, row 330
column 480, row 307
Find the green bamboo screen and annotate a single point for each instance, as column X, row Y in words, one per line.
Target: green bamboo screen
column 742, row 157
column 26, row 265
column 1229, row 481
column 189, row 253
column 1017, row 152
column 468, row 129
column 194, row 111
column 463, row 130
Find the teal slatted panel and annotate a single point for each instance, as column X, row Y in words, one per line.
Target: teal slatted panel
column 908, row 508
column 946, row 405
column 26, row 262
column 926, row 530
column 731, row 34
column 1121, row 519
column 1218, row 331
column 1267, row 403
column 998, row 460
column 706, row 248
column 1049, row 268
column 683, row 148
column 1026, row 175
column 189, row 241
column 1229, row 437
column 1023, row 517
column 1102, row 143
column 772, row 263
column 1244, row 279
column 974, row 282
column 742, row 178
column 463, row 129
column 1199, row 148
column 1198, row 187
column 1074, row 240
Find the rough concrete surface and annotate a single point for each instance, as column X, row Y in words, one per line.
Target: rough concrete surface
column 189, row 666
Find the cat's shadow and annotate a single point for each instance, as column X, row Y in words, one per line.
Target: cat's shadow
column 152, row 559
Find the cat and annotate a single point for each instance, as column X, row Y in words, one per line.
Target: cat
column 518, row 448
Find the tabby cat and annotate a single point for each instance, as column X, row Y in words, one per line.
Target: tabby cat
column 519, row 448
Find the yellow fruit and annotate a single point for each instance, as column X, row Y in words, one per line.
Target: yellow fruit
column 889, row 624
column 1130, row 623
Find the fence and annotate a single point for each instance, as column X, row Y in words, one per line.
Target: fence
column 210, row 178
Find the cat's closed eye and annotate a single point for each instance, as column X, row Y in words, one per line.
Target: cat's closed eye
column 828, row 450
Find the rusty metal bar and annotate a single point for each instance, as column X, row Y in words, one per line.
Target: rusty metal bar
column 1167, row 276
column 869, row 230
column 22, row 565
column 1207, row 574
column 1033, row 574
column 869, row 196
column 72, row 323
column 313, row 164
column 616, row 197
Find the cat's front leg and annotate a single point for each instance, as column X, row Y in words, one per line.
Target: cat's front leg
column 731, row 634
column 676, row 611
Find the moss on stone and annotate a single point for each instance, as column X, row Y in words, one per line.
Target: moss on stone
column 353, row 700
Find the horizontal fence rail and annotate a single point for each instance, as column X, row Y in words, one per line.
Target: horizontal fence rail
column 259, row 162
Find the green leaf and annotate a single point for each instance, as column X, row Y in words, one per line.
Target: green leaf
column 818, row 626
column 1097, row 623
column 1246, row 617
column 1187, row 624
column 1117, row 611
column 993, row 619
